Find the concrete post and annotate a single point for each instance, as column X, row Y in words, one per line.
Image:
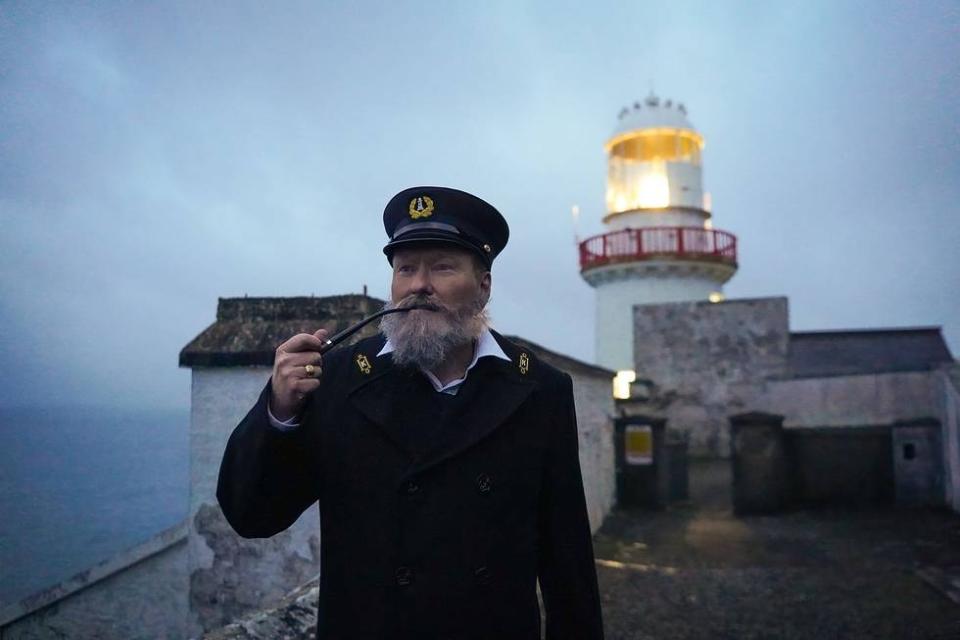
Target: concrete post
column 758, row 455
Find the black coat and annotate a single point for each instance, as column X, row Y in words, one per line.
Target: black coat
column 431, row 527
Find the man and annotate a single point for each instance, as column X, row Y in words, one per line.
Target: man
column 444, row 457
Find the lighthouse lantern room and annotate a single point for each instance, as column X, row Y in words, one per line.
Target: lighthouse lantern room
column 660, row 245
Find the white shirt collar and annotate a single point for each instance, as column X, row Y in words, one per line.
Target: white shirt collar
column 486, row 346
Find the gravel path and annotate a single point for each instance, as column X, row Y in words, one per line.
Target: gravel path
column 695, row 571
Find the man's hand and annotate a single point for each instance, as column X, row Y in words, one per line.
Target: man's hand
column 297, row 366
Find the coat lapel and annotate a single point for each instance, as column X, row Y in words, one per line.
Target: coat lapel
column 493, row 391
column 376, row 398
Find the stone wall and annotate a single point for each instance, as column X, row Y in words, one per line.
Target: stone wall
column 708, row 361
column 138, row 594
column 292, row 618
column 856, row 400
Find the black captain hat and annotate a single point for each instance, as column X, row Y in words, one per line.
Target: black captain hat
column 442, row 214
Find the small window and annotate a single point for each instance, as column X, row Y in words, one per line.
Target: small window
column 909, row 451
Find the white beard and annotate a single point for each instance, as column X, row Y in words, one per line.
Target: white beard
column 426, row 338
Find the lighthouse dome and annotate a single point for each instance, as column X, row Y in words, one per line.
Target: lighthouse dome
column 652, row 113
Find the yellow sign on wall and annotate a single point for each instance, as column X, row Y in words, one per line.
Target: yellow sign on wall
column 639, row 444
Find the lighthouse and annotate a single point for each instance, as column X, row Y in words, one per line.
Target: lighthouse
column 660, row 245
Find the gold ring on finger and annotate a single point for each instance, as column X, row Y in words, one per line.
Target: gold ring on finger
column 310, row 370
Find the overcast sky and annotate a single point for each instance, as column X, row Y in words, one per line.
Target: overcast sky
column 158, row 155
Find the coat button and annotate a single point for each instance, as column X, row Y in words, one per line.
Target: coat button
column 482, row 575
column 411, row 488
column 404, row 576
column 483, row 483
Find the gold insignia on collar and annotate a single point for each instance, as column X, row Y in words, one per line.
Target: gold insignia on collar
column 421, row 207
column 363, row 364
column 524, row 363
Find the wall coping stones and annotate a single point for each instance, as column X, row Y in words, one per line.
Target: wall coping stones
column 157, row 544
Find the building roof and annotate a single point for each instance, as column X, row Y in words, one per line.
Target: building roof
column 248, row 330
column 652, row 113
column 563, row 362
column 816, row 354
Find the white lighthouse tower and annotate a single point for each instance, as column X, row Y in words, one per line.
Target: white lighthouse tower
column 660, row 245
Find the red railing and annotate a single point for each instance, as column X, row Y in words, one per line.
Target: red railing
column 627, row 245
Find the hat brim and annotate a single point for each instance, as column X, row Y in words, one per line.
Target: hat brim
column 432, row 238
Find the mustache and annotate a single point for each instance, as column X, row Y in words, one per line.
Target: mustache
column 460, row 313
column 421, row 302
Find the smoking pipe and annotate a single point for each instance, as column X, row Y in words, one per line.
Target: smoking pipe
column 334, row 340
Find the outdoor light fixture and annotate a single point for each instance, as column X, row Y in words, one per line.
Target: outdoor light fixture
column 621, row 384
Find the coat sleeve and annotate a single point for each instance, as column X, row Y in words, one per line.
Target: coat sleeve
column 267, row 476
column 567, row 574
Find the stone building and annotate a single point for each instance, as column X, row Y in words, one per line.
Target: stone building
column 869, row 415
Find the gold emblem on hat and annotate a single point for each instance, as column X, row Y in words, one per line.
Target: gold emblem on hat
column 363, row 364
column 524, row 363
column 421, row 207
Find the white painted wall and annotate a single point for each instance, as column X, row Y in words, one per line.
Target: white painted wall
column 659, row 218
column 259, row 572
column 593, row 398
column 220, row 398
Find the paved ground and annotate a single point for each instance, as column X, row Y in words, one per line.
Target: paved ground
column 695, row 571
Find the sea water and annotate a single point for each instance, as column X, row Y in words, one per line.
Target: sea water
column 80, row 484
